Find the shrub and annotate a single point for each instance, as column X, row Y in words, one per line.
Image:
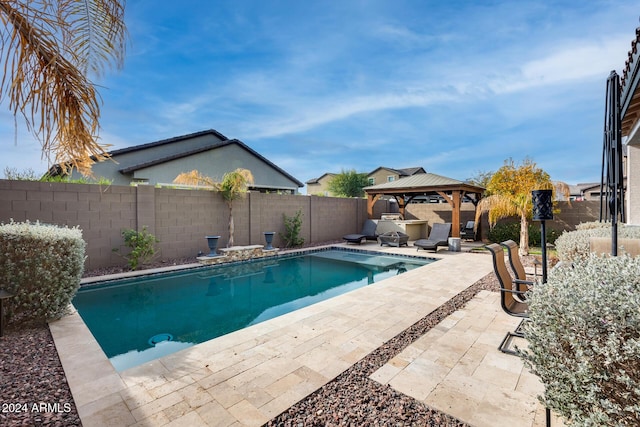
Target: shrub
column 584, row 340
column 142, row 245
column 511, row 231
column 574, row 245
column 292, row 226
column 42, row 266
column 593, row 225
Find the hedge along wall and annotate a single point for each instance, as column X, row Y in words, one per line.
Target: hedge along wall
column 180, row 219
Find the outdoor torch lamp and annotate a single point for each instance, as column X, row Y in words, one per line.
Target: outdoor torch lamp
column 543, row 211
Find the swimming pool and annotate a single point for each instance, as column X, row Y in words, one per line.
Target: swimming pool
column 138, row 320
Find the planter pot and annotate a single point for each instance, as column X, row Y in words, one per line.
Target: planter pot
column 268, row 237
column 212, row 241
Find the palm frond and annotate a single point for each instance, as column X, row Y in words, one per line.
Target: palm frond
column 498, row 206
column 43, row 82
column 193, row 178
column 94, row 32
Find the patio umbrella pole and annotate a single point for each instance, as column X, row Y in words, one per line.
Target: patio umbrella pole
column 612, row 177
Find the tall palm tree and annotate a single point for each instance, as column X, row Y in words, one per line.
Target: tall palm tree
column 509, row 194
column 48, row 49
column 234, row 185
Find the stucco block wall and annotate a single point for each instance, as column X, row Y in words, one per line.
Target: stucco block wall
column 180, row 219
column 633, row 184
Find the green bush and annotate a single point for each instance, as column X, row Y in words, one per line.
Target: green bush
column 42, row 266
column 292, row 226
column 574, row 245
column 584, row 341
column 141, row 245
column 511, row 231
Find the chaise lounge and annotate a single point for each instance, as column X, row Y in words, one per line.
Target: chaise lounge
column 439, row 236
column 368, row 233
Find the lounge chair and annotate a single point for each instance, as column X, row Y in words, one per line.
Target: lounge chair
column 438, row 237
column 368, row 233
column 467, row 232
column 520, row 280
column 512, row 300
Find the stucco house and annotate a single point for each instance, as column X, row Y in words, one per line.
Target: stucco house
column 210, row 152
column 382, row 174
column 630, row 116
column 320, row 186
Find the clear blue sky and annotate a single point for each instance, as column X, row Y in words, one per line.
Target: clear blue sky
column 453, row 86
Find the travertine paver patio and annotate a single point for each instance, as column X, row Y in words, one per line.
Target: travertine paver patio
column 249, row 376
column 457, row 368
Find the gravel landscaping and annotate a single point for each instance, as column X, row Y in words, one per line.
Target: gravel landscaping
column 35, row 391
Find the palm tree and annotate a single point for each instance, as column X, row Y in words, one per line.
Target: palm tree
column 509, row 194
column 234, row 185
column 48, row 49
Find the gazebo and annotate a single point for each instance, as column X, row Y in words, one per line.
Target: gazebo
column 425, row 184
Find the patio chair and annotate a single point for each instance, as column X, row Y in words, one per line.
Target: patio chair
column 368, row 233
column 521, row 281
column 438, row 237
column 512, row 300
column 467, row 232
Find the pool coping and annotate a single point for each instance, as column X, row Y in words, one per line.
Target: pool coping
column 90, row 281
column 319, row 341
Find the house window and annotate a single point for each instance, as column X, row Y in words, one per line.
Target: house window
column 372, row 181
column 390, row 178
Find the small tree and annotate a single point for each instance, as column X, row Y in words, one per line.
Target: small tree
column 234, row 185
column 481, row 179
column 348, row 184
column 509, row 193
column 292, row 227
column 141, row 245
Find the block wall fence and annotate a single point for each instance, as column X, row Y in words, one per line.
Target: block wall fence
column 181, row 219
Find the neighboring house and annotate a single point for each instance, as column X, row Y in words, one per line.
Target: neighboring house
column 630, row 115
column 320, row 186
column 209, row 152
column 584, row 191
column 383, row 174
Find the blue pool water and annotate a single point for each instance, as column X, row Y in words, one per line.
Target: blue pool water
column 137, row 320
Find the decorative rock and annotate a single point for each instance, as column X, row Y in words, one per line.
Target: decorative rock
column 238, row 253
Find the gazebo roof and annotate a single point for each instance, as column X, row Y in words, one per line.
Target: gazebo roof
column 405, row 189
column 420, row 183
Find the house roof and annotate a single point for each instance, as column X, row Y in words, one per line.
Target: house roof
column 401, row 172
column 630, row 85
column 215, row 146
column 316, row 180
column 578, row 189
column 420, row 180
column 169, row 141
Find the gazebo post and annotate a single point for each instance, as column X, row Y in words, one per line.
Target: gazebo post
column 454, row 201
column 371, row 200
column 455, row 214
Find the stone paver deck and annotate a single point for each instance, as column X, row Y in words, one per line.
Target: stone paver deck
column 247, row 377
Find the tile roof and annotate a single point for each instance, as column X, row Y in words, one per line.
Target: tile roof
column 196, row 151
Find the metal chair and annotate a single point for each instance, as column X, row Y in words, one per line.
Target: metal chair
column 512, row 300
column 521, row 281
column 467, row 232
